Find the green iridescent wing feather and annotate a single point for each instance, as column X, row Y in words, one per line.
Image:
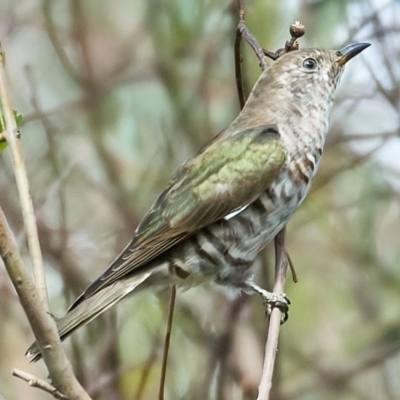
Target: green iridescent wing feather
column 228, row 174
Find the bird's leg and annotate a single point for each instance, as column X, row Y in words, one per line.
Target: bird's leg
column 271, row 300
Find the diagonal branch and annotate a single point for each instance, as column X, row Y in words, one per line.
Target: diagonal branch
column 38, row 383
column 33, row 302
column 14, row 143
column 42, row 323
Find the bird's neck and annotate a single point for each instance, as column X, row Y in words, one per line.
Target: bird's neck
column 301, row 124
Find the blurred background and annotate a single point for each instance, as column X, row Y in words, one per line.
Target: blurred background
column 115, row 96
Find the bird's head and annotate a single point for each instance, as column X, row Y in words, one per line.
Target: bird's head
column 302, row 68
column 300, row 81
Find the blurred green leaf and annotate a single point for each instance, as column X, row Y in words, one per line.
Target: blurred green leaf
column 18, row 119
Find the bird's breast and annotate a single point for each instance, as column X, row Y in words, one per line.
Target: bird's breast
column 266, row 216
column 227, row 248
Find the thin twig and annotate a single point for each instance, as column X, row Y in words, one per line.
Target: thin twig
column 244, row 32
column 271, row 347
column 296, row 30
column 38, row 383
column 167, row 342
column 238, row 58
column 250, row 39
column 14, row 144
column 291, row 265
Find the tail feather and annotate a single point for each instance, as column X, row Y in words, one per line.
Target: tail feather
column 89, row 309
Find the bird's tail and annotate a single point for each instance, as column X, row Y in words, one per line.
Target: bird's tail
column 89, row 309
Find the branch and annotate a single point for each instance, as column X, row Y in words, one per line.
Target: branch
column 271, row 346
column 243, row 32
column 32, row 301
column 42, row 323
column 238, row 58
column 12, row 136
column 167, row 342
column 38, row 383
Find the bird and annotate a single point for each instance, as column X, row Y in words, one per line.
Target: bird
column 224, row 205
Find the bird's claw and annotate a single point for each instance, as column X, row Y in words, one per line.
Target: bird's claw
column 280, row 301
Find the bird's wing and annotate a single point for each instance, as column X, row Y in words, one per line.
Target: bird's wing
column 223, row 177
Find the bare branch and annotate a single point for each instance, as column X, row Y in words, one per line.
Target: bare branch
column 41, row 322
column 167, row 342
column 238, row 57
column 271, row 347
column 11, row 135
column 32, row 300
column 38, row 383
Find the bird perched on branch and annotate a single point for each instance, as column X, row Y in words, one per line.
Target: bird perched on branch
column 229, row 201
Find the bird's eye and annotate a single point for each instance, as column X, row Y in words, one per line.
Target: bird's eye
column 310, row 64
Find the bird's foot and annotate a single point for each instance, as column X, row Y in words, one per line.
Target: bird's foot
column 278, row 300
column 272, row 300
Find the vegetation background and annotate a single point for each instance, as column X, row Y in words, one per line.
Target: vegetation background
column 116, row 95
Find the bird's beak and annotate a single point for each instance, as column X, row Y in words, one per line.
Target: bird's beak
column 348, row 52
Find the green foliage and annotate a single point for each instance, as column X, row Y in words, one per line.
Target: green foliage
column 19, row 121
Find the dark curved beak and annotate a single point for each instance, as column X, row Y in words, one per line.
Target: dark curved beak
column 350, row 51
